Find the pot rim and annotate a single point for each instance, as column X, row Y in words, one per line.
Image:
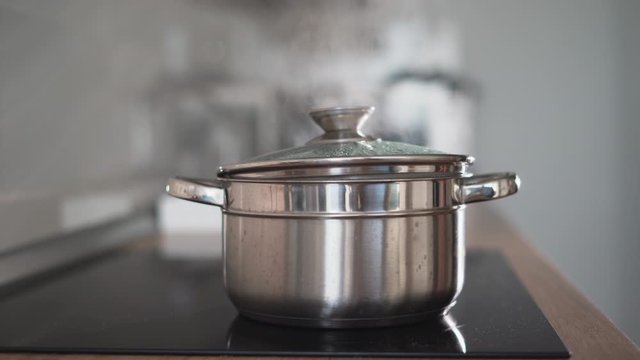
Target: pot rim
column 347, row 196
column 367, row 179
column 230, row 170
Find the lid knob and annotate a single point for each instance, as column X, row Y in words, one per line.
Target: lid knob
column 341, row 118
column 341, row 123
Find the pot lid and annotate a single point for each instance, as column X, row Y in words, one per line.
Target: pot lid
column 343, row 150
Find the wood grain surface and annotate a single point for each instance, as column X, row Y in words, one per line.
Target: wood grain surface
column 586, row 331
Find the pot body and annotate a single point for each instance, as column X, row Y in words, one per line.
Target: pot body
column 346, row 252
column 344, row 272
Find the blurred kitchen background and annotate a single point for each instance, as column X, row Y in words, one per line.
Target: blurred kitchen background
column 101, row 101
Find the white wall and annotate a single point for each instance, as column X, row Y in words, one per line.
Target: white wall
column 560, row 106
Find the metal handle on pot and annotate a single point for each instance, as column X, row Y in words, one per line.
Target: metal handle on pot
column 487, row 187
column 210, row 192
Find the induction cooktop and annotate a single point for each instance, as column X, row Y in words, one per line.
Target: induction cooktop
column 139, row 302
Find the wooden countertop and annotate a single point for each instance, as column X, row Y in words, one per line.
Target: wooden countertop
column 584, row 329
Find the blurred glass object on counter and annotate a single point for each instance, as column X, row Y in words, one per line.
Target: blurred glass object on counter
column 430, row 108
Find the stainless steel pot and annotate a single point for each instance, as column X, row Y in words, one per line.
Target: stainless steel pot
column 346, row 231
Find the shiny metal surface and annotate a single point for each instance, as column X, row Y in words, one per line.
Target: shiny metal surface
column 487, row 187
column 344, row 272
column 442, row 161
column 341, row 118
column 210, row 192
column 345, row 241
column 352, row 171
column 341, row 123
column 344, row 253
column 345, row 198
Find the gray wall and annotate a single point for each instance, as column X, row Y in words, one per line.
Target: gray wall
column 77, row 129
column 628, row 27
column 560, row 106
column 88, row 89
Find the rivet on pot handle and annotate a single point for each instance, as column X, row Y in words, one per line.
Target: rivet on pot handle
column 210, row 192
column 486, row 187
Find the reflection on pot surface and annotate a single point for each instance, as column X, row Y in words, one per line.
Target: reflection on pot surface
column 440, row 333
column 347, row 230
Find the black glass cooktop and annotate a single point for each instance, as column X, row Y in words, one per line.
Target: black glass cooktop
column 139, row 302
